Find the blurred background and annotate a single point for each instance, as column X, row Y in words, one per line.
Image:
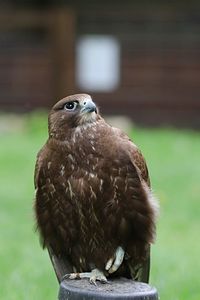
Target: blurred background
column 138, row 59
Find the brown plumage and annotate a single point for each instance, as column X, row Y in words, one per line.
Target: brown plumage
column 93, row 193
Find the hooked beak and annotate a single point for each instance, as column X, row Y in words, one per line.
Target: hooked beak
column 88, row 106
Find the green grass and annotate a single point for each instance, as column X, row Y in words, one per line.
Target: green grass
column 173, row 160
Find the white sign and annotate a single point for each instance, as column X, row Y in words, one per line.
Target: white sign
column 98, row 63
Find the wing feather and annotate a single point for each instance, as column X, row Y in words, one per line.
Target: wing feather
column 139, row 216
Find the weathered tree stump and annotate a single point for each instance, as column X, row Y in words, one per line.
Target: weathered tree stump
column 119, row 289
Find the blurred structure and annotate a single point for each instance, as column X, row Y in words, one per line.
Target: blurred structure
column 139, row 58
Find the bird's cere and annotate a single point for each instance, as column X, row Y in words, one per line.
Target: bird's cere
column 87, row 106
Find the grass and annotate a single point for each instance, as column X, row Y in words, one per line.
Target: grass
column 173, row 160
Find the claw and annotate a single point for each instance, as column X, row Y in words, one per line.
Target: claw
column 109, row 263
column 115, row 262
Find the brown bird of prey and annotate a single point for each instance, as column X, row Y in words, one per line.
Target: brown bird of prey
column 94, row 204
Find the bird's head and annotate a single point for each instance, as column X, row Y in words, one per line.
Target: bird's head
column 71, row 112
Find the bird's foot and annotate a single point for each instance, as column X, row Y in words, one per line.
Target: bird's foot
column 115, row 261
column 96, row 274
column 93, row 276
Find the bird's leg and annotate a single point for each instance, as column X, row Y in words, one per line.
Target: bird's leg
column 115, row 261
column 111, row 266
column 93, row 276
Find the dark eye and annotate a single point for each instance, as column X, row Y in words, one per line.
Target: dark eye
column 70, row 105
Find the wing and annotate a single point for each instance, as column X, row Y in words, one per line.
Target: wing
column 37, row 167
column 61, row 263
column 141, row 271
column 139, row 161
column 53, row 213
column 141, row 208
column 135, row 155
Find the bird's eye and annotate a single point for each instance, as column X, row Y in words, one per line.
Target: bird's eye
column 70, row 105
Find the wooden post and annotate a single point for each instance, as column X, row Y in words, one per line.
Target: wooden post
column 63, row 51
column 120, row 289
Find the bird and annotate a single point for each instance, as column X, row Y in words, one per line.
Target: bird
column 93, row 200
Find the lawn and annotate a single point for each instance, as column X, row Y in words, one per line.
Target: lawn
column 173, row 160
